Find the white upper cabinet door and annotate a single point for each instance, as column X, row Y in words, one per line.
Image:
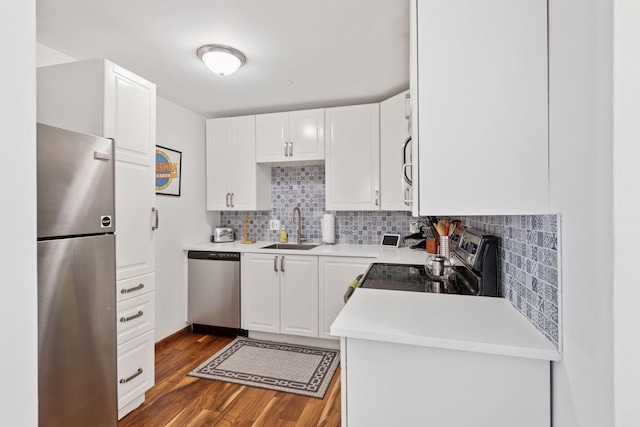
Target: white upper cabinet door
column 234, row 180
column 290, row 137
column 395, row 150
column 353, row 158
column 272, row 137
column 483, row 106
column 306, row 135
column 132, row 119
column 242, row 162
column 218, row 171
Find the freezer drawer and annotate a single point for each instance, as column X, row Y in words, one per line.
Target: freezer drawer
column 214, row 289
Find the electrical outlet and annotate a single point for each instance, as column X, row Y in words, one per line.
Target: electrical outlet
column 274, row 224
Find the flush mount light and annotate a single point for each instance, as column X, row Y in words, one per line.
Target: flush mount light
column 222, row 60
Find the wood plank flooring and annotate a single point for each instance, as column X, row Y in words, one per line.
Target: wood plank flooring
column 181, row 401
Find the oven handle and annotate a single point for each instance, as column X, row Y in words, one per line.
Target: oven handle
column 352, row 287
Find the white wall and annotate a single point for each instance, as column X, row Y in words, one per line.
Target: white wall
column 183, row 220
column 626, row 181
column 580, row 82
column 18, row 282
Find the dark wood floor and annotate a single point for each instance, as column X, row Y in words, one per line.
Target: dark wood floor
column 181, row 401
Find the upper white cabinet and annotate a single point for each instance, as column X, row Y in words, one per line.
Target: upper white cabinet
column 395, row 153
column 480, row 80
column 234, row 180
column 353, row 157
column 100, row 98
column 290, row 137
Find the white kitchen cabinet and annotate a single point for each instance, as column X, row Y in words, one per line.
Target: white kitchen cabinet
column 234, row 180
column 387, row 384
column 352, row 153
column 260, row 292
column 395, row 194
column 290, row 137
column 334, row 276
column 280, row 293
column 100, row 98
column 482, row 106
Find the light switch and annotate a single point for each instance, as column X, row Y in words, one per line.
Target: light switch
column 274, row 224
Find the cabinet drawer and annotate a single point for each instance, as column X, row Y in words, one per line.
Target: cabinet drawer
column 136, row 370
column 135, row 317
column 134, row 286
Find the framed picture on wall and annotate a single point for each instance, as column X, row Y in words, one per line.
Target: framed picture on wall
column 168, row 171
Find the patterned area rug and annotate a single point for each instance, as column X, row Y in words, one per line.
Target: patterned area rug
column 276, row 366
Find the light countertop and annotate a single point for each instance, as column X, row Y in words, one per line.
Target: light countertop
column 377, row 253
column 456, row 322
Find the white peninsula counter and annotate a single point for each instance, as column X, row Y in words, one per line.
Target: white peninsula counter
column 430, row 359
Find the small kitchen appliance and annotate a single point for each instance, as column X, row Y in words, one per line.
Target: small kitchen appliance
column 222, row 234
column 474, row 270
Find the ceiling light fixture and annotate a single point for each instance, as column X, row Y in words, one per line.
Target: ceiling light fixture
column 222, row 60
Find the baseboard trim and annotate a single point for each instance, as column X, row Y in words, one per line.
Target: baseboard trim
column 179, row 334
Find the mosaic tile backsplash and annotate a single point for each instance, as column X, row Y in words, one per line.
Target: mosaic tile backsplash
column 528, row 244
column 303, row 187
column 528, row 270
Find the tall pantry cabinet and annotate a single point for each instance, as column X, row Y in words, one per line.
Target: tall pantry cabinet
column 100, row 98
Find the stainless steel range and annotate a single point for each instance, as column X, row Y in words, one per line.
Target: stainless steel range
column 474, row 270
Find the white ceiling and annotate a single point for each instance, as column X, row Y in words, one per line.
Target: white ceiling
column 336, row 52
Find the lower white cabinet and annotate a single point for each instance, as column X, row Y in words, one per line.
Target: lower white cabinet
column 389, row 384
column 136, row 371
column 135, row 322
column 335, row 274
column 280, row 293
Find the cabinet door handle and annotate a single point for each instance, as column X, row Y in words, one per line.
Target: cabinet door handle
column 377, row 197
column 275, row 263
column 157, row 215
column 135, row 316
column 231, row 199
column 126, row 380
column 282, row 263
column 290, row 149
column 407, row 106
column 135, row 288
column 226, row 201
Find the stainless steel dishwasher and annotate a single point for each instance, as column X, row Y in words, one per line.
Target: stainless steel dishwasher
column 214, row 292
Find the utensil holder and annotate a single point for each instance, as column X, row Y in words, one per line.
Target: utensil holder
column 444, row 246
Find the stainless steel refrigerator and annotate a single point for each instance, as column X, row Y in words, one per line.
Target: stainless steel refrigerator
column 76, row 279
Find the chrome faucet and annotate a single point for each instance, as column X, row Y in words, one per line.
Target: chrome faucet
column 293, row 218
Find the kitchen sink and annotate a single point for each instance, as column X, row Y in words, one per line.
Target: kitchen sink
column 302, row 247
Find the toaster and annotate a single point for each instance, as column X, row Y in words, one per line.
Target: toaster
column 222, row 234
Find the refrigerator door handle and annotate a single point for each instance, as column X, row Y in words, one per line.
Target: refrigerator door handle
column 157, row 215
column 102, row 155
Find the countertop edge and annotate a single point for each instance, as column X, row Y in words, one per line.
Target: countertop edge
column 470, row 346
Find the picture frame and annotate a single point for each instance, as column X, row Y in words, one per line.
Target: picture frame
column 168, row 171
